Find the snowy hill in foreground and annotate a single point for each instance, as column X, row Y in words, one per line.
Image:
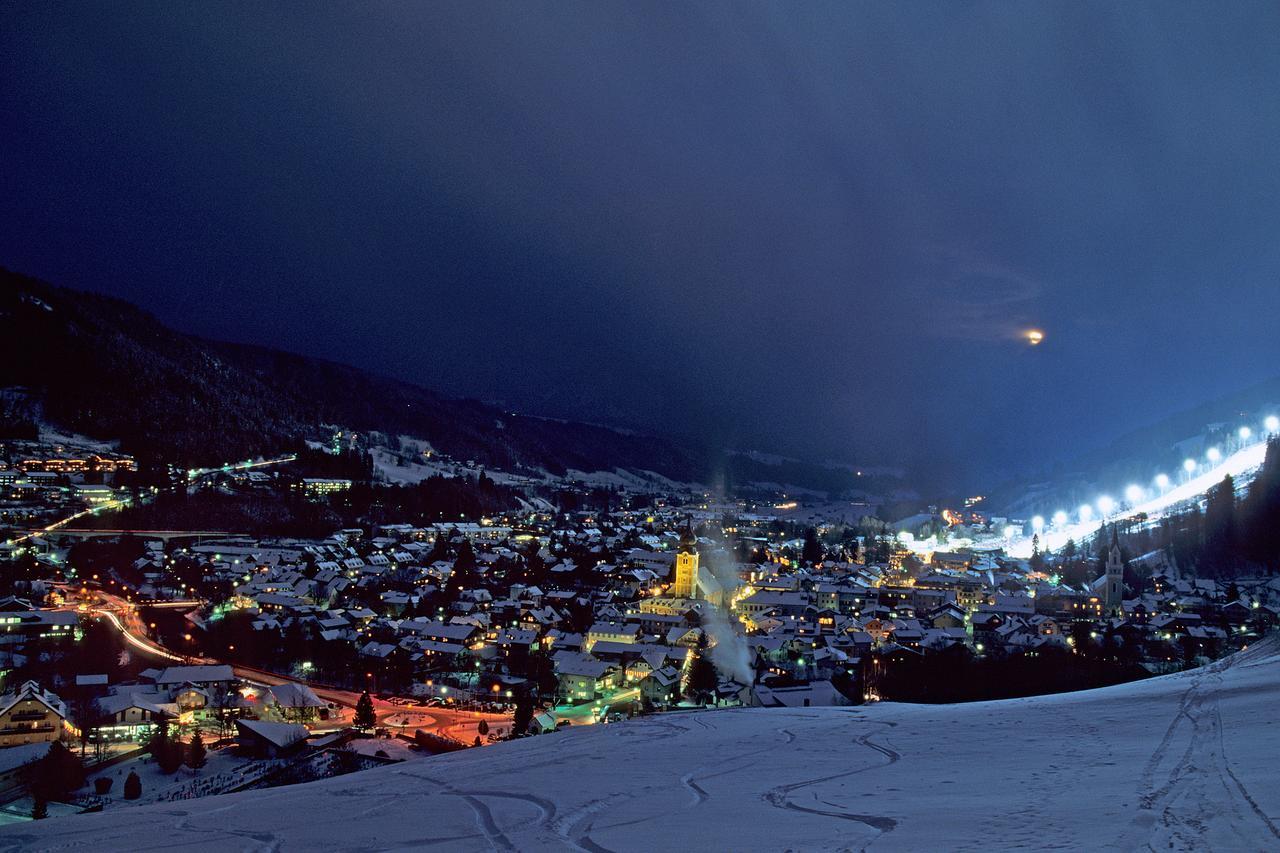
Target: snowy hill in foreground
column 1181, row 762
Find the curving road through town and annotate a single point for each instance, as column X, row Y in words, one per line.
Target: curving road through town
column 457, row 724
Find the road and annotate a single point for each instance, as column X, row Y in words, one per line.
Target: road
column 458, row 724
column 197, row 473
column 193, row 475
column 61, row 523
column 588, row 712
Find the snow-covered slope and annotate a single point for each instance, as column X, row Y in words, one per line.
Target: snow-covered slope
column 1182, row 762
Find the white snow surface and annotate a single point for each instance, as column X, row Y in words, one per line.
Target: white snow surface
column 1182, row 762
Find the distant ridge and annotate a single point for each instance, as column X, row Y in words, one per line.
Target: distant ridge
column 104, row 368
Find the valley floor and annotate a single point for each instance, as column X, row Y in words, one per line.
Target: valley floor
column 1183, row 762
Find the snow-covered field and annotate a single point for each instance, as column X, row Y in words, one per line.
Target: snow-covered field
column 1184, row 762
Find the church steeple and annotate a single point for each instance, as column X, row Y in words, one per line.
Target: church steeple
column 1113, row 592
column 688, row 541
column 686, row 579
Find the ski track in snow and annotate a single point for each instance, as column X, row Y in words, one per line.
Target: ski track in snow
column 1176, row 763
column 1182, row 807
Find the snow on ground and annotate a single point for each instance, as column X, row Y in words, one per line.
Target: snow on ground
column 1183, row 762
column 392, row 747
column 638, row 480
column 402, row 469
column 50, row 434
column 391, row 468
column 157, row 785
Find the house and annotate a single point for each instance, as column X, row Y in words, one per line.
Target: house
column 131, row 712
column 814, row 694
column 260, row 739
column 211, row 677
column 661, row 686
column 612, row 632
column 948, row 616
column 18, row 626
column 542, row 723
column 31, row 715
column 582, row 677
column 295, row 703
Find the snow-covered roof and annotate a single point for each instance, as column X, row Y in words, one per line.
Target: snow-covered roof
column 282, row 735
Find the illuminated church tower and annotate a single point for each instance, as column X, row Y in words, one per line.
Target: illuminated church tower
column 1113, row 592
column 686, row 583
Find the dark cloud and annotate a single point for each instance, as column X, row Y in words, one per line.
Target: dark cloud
column 812, row 227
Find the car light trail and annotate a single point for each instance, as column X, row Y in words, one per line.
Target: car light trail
column 138, row 642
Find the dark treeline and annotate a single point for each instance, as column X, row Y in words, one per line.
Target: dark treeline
column 287, row 512
column 956, row 675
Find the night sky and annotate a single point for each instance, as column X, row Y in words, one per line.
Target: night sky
column 813, row 228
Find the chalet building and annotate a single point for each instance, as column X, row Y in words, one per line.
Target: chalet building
column 128, row 716
column 611, row 632
column 32, row 715
column 582, row 678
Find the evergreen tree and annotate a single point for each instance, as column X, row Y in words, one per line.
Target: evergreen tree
column 365, row 717
column 811, row 552
column 158, row 743
column 56, row 775
column 1036, row 562
column 523, row 714
column 132, row 786
column 1260, row 536
column 702, row 672
column 168, row 754
column 197, row 755
column 1220, row 526
column 483, row 728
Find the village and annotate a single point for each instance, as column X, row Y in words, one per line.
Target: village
column 204, row 663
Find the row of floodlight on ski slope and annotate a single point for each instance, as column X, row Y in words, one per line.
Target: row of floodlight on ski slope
column 1136, row 495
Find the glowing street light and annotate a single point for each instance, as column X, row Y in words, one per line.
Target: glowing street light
column 1037, row 523
column 1085, row 512
column 1189, row 466
column 1162, row 481
column 1133, row 494
column 1272, row 423
column 1106, row 505
column 1010, row 531
column 1213, row 454
column 1244, row 433
column 1059, row 519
